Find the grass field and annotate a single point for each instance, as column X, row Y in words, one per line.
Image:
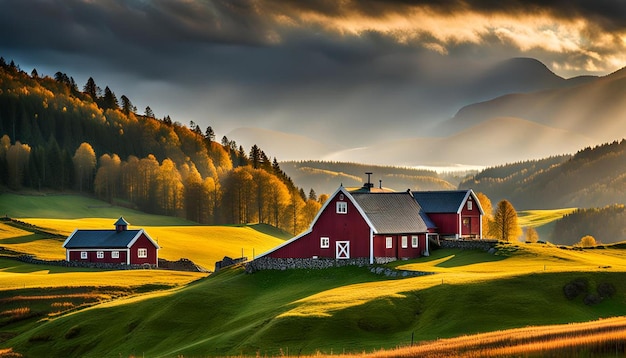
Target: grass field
column 53, row 311
column 351, row 309
column 542, row 220
column 178, row 238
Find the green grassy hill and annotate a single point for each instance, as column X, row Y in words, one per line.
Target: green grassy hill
column 178, row 238
column 351, row 309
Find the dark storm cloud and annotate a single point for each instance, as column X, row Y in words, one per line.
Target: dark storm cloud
column 296, row 64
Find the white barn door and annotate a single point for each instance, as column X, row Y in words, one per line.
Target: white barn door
column 342, row 250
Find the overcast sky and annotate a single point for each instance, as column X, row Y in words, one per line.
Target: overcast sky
column 320, row 68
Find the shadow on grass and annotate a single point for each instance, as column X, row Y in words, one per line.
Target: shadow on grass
column 469, row 257
column 449, row 258
column 22, row 239
column 271, row 230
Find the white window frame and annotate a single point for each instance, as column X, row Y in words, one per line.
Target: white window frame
column 414, row 241
column 83, row 255
column 142, row 253
column 115, row 254
column 324, row 242
column 389, row 242
column 469, row 205
column 342, row 207
column 100, row 254
column 405, row 242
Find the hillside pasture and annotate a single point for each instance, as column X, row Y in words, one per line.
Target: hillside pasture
column 350, row 309
column 60, row 215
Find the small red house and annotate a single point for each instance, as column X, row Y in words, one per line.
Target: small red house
column 119, row 246
column 382, row 226
column 456, row 213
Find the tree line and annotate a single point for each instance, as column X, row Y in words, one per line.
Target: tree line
column 55, row 136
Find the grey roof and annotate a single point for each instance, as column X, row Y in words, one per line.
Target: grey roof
column 393, row 213
column 105, row 239
column 445, row 201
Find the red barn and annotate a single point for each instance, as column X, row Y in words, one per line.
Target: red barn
column 379, row 226
column 119, row 246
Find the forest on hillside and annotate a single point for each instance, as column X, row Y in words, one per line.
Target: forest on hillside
column 55, row 136
column 605, row 224
column 593, row 177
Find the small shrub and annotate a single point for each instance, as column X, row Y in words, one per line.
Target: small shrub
column 606, row 290
column 72, row 332
column 591, row 299
column 576, row 287
column 40, row 338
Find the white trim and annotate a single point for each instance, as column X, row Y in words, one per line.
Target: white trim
column 415, row 241
column 340, row 248
column 69, row 238
column 85, row 256
column 141, row 250
column 371, row 246
column 324, row 242
column 100, row 254
column 142, row 231
column 341, row 207
column 388, row 242
column 128, row 256
column 115, row 252
column 404, row 241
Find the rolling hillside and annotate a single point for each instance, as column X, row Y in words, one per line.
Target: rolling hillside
column 178, row 238
column 345, row 309
column 593, row 177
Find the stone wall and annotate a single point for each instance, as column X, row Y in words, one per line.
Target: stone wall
column 97, row 265
column 269, row 263
column 484, row 245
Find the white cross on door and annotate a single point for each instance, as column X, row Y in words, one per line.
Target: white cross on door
column 342, row 250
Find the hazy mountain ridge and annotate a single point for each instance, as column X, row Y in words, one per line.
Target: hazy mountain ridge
column 325, row 176
column 525, row 111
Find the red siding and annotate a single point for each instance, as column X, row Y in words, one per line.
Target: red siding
column 337, row 227
column 92, row 256
column 381, row 250
column 143, row 243
column 447, row 223
column 471, row 216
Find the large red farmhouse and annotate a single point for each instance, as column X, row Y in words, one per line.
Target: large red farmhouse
column 119, row 246
column 382, row 226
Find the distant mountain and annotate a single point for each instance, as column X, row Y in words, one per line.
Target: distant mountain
column 593, row 177
column 594, row 108
column 530, row 113
column 325, row 177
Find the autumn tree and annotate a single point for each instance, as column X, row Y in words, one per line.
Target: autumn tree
column 169, row 188
column 487, row 217
column 107, row 182
column 17, row 157
column 587, row 241
column 531, row 235
column 504, row 226
column 84, row 166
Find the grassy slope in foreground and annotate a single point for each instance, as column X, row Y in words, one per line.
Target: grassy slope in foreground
column 349, row 308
